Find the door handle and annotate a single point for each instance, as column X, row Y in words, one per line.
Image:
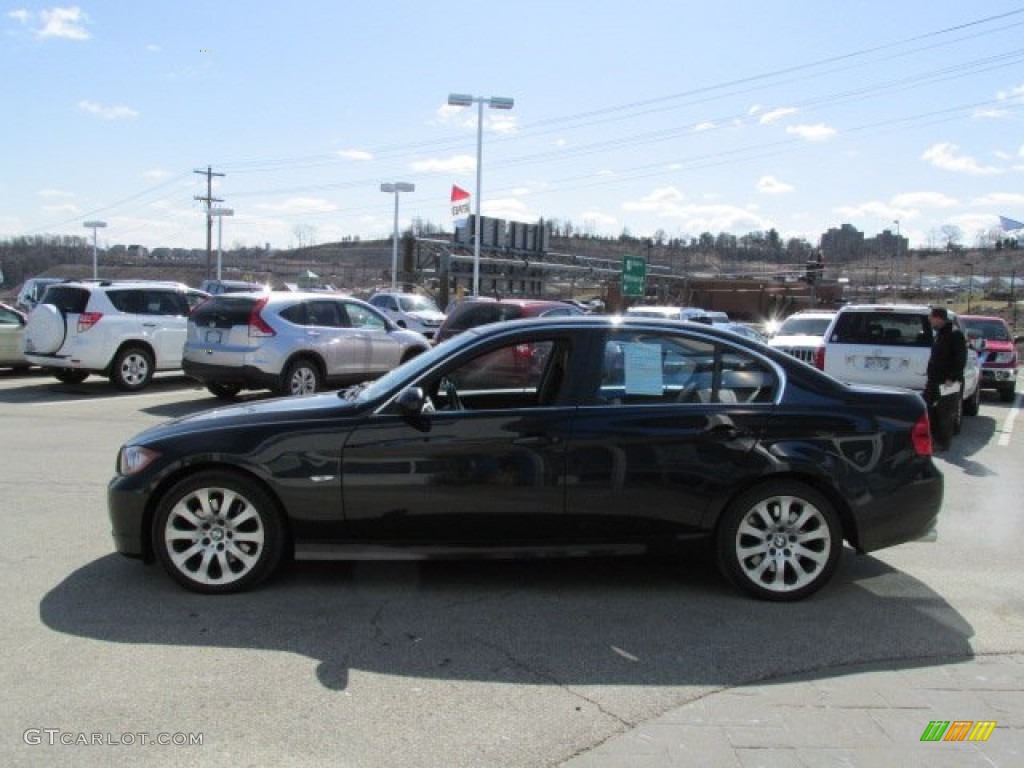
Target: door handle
column 720, row 424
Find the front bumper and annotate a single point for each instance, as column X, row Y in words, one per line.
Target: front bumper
column 127, row 510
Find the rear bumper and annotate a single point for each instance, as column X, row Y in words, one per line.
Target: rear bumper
column 246, row 376
column 908, row 513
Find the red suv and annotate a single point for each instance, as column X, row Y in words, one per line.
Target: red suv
column 996, row 353
column 469, row 313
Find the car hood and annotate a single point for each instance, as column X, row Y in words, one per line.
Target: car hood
column 426, row 315
column 800, row 339
column 282, row 409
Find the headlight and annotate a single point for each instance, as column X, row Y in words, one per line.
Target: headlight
column 1005, row 357
column 134, row 458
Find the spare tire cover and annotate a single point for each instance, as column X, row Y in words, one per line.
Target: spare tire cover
column 45, row 330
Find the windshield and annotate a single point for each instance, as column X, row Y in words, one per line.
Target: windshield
column 417, row 304
column 990, row 330
column 804, row 326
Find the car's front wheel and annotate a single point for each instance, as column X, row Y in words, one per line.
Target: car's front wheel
column 779, row 541
column 218, row 532
column 132, row 369
column 302, row 377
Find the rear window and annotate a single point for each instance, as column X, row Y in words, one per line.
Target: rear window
column 482, row 314
column 224, row 311
column 990, row 330
column 67, row 298
column 905, row 329
column 804, row 326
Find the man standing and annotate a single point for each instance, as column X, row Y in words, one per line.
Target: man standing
column 945, row 372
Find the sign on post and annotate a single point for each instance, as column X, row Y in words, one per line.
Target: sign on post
column 634, row 273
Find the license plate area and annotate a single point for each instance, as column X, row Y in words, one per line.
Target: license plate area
column 213, row 337
column 876, row 363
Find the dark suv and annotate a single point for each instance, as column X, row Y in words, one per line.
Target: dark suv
column 469, row 313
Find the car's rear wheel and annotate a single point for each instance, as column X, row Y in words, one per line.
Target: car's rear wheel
column 132, row 369
column 70, row 376
column 223, row 391
column 779, row 541
column 218, row 532
column 301, row 377
column 1008, row 394
column 973, row 403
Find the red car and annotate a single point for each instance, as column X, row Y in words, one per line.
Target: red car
column 996, row 353
column 469, row 313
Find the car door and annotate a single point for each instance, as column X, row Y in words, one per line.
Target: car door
column 12, row 331
column 483, row 467
column 670, row 426
column 379, row 350
column 325, row 330
column 163, row 314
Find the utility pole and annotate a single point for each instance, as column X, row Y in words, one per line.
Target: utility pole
column 209, row 200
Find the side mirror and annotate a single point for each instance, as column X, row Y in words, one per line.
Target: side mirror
column 410, row 401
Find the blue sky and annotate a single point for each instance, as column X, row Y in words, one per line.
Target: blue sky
column 649, row 115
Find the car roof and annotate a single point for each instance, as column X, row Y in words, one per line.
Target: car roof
column 983, row 317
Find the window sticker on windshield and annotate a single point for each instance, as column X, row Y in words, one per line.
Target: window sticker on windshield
column 643, row 369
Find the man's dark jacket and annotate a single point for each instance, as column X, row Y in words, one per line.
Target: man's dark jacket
column 949, row 356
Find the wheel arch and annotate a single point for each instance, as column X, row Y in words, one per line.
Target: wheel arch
column 156, row 494
column 142, row 344
column 306, row 354
column 839, row 504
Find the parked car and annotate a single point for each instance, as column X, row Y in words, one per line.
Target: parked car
column 802, row 334
column 124, row 329
column 677, row 313
column 997, row 353
column 473, row 312
column 634, row 435
column 32, row 291
column 12, row 333
column 410, row 310
column 217, row 287
column 890, row 344
column 291, row 343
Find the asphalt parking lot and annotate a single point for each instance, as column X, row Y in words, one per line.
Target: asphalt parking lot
column 433, row 664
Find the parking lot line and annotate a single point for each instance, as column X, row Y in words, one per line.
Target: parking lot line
column 1007, row 430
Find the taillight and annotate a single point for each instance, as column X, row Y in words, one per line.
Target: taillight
column 258, row 327
column 87, row 320
column 523, row 351
column 819, row 358
column 921, row 435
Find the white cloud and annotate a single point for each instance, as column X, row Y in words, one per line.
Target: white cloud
column 20, row 15
column 705, row 126
column 63, row 22
column 153, row 48
column 503, row 123
column 754, row 109
column 299, row 205
column 674, row 166
column 816, row 132
column 457, row 164
column 668, row 202
column 508, row 208
column 776, row 114
column 944, row 156
column 607, row 173
column 769, row 185
column 990, row 113
column 108, row 113
column 355, row 154
column 1000, row 198
column 51, row 194
column 561, row 143
column 596, row 221
column 155, row 174
column 1014, row 94
column 924, row 200
column 875, row 209
column 65, row 208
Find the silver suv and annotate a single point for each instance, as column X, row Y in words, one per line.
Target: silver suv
column 410, row 310
column 292, row 343
column 124, row 329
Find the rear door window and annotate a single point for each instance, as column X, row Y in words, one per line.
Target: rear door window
column 903, row 329
column 68, row 299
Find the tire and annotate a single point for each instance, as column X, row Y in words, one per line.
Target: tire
column 1008, row 394
column 45, row 330
column 218, row 532
column 70, row 375
column 301, row 377
column 132, row 369
column 973, row 403
column 758, row 535
column 223, row 391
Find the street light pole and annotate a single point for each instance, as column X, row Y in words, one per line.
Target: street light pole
column 494, row 102
column 94, row 225
column 970, row 283
column 896, row 257
column 220, row 213
column 395, row 188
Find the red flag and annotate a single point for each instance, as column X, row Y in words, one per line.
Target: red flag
column 458, row 193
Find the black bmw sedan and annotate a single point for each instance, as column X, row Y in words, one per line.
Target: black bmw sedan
column 563, row 436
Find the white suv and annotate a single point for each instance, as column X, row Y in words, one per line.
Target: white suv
column 410, row 310
column 800, row 335
column 126, row 330
column 889, row 344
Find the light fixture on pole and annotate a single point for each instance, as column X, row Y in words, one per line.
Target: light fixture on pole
column 494, row 102
column 395, row 188
column 94, row 225
column 220, row 213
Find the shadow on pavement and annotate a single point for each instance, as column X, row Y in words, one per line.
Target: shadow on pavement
column 45, row 388
column 626, row 622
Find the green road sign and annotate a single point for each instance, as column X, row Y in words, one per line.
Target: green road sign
column 634, row 272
